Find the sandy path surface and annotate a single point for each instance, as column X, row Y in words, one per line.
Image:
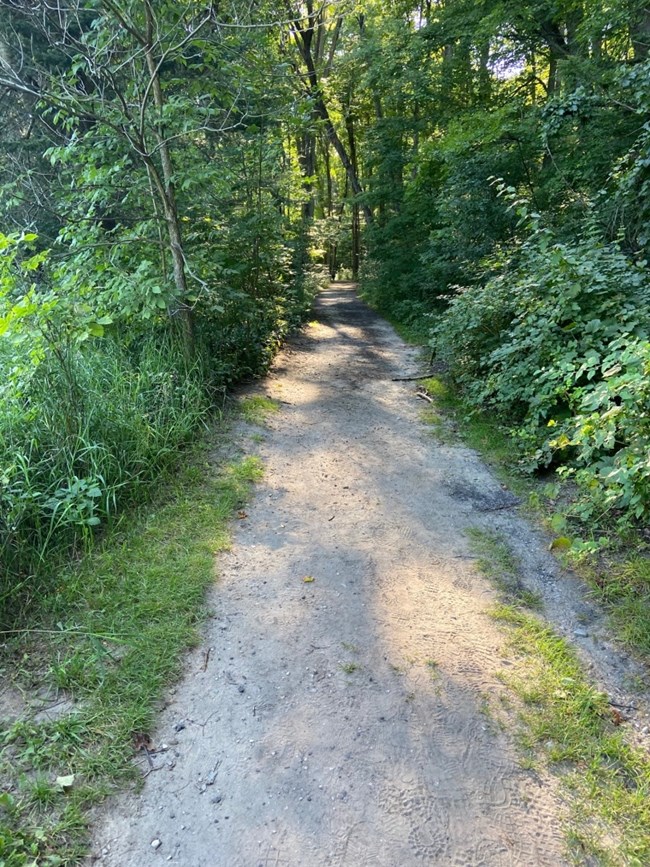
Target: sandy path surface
column 341, row 721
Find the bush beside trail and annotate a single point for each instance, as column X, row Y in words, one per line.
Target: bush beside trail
column 95, row 408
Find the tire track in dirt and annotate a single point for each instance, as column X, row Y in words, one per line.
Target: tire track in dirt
column 341, row 722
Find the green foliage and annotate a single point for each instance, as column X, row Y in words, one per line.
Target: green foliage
column 91, row 429
column 569, row 725
column 112, row 636
column 610, row 434
column 554, row 342
column 167, row 200
column 547, row 327
column 449, row 217
column 92, row 414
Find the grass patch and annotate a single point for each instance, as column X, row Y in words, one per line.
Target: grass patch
column 570, row 726
column 350, row 667
column 110, row 638
column 416, row 333
column 414, row 330
column 434, row 668
column 498, row 563
column 624, row 588
column 255, row 408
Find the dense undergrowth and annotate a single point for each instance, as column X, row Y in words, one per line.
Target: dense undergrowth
column 95, row 411
column 556, row 343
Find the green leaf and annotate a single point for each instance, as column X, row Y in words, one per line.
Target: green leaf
column 66, row 782
column 558, row 522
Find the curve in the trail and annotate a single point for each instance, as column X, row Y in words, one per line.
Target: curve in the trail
column 344, row 720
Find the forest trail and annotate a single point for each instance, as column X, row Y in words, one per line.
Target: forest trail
column 341, row 720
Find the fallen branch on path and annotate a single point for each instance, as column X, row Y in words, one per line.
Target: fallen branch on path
column 412, row 378
column 622, row 706
column 424, row 396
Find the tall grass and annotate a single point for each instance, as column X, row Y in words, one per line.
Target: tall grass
column 88, row 424
column 92, row 429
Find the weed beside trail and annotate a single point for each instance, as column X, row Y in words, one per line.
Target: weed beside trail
column 107, row 643
column 498, row 563
column 255, row 408
column 77, row 449
column 623, row 586
column 570, row 725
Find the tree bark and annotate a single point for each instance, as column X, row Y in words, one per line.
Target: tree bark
column 553, row 80
column 329, row 206
column 484, row 77
column 339, row 147
column 356, row 228
column 307, row 160
column 303, row 37
column 182, row 310
column 640, row 36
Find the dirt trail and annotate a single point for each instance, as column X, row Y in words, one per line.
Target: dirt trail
column 341, row 721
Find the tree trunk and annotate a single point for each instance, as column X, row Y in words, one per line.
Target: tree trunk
column 447, row 71
column 356, row 241
column 356, row 227
column 484, row 77
column 573, row 48
column 533, row 79
column 640, row 35
column 181, row 310
column 307, row 160
column 553, row 82
column 304, row 38
column 339, row 147
column 329, row 206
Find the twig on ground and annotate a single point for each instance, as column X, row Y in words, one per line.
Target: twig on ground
column 412, row 378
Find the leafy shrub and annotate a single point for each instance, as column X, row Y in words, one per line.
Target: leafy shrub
column 93, row 408
column 610, row 431
column 555, row 342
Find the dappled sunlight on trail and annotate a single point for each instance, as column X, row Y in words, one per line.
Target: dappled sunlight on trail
column 346, row 719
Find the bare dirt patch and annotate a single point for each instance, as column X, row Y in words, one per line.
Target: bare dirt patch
column 336, row 713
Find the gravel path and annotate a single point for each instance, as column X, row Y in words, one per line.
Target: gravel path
column 341, row 720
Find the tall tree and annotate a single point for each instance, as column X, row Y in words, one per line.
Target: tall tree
column 316, row 32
